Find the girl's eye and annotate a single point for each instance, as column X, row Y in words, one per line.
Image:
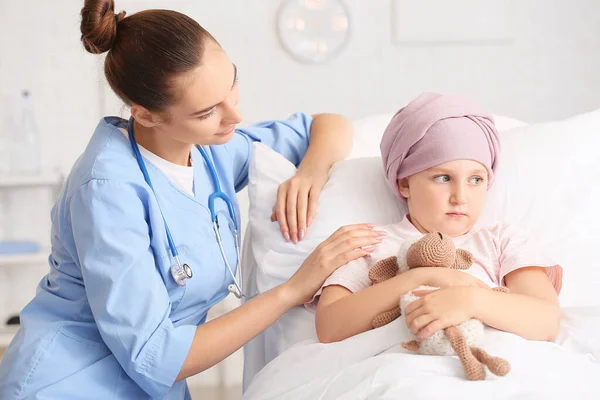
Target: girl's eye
column 442, row 178
column 208, row 114
column 476, row 180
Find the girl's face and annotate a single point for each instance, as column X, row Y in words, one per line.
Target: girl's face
column 447, row 198
column 205, row 111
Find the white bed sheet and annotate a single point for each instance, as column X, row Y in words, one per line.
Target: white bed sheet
column 373, row 365
column 297, row 325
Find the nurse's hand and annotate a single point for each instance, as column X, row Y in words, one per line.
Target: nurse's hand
column 347, row 244
column 297, row 200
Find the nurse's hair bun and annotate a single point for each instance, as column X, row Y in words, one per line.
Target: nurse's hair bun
column 99, row 25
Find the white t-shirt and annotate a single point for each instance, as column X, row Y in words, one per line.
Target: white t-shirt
column 182, row 177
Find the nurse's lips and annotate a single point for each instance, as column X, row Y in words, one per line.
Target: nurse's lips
column 227, row 132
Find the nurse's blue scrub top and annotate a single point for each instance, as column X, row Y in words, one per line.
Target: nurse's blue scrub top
column 109, row 321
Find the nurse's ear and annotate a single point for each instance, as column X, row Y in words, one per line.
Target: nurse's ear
column 145, row 117
column 403, row 187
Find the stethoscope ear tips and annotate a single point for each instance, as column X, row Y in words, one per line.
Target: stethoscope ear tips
column 234, row 290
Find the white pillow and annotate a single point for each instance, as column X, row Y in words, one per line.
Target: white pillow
column 348, row 197
column 548, row 184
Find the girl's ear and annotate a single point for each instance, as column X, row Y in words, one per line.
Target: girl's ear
column 403, row 187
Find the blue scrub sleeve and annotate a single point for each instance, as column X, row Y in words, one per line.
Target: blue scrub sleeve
column 288, row 137
column 128, row 298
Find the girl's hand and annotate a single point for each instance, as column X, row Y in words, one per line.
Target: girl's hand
column 346, row 244
column 439, row 309
column 445, row 277
column 296, row 205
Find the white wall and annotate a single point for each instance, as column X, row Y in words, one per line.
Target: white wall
column 547, row 71
column 40, row 52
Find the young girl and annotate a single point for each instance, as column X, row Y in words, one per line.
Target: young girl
column 440, row 154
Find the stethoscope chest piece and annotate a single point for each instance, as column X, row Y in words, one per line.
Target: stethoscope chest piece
column 180, row 274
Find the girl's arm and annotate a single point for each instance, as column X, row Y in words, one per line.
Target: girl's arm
column 531, row 309
column 341, row 313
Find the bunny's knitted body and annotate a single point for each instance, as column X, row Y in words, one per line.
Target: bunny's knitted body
column 463, row 340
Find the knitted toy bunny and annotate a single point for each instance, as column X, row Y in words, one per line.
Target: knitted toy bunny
column 437, row 250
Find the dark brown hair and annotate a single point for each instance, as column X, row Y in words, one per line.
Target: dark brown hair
column 146, row 51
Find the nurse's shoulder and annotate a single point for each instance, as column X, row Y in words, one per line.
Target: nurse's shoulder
column 106, row 171
column 108, row 156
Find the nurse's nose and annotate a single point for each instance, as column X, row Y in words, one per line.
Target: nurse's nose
column 231, row 114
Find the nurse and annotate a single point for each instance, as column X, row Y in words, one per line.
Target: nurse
column 111, row 320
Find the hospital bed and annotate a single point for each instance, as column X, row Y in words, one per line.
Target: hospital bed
column 548, row 184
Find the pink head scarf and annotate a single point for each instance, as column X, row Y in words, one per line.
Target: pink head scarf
column 434, row 129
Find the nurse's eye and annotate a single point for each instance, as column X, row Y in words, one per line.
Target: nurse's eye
column 236, row 76
column 442, row 178
column 208, row 114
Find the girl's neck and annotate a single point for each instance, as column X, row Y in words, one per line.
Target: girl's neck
column 417, row 225
column 424, row 231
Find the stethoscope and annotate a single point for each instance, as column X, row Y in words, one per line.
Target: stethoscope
column 179, row 271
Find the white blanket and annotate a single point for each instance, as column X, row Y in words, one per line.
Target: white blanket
column 373, row 366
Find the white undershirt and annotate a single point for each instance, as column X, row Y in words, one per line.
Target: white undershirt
column 181, row 176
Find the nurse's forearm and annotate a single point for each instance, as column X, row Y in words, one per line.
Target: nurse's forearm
column 330, row 141
column 217, row 339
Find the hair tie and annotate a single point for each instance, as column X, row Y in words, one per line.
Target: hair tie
column 116, row 30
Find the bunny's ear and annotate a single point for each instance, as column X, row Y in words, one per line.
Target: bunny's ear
column 464, row 259
column 403, row 252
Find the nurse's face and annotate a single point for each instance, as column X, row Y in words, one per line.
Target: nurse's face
column 205, row 111
column 447, row 198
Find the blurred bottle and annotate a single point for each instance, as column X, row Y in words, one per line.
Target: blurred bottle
column 6, row 128
column 25, row 152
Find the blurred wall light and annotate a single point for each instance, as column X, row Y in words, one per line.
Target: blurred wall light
column 313, row 31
